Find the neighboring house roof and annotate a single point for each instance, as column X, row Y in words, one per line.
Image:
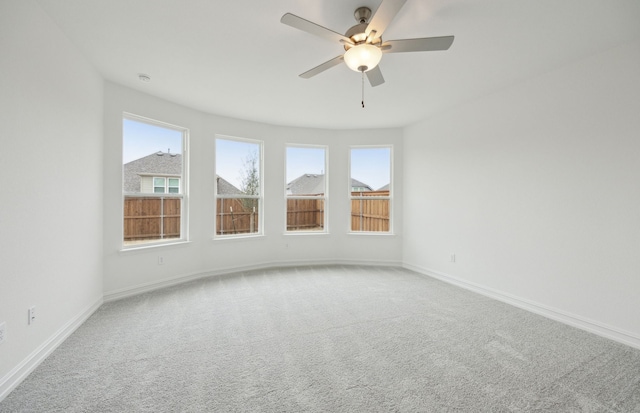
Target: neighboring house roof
column 225, row 187
column 384, row 188
column 313, row 184
column 307, row 184
column 357, row 184
column 158, row 163
column 163, row 164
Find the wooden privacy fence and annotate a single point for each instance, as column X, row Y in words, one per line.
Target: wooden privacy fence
column 157, row 217
column 366, row 214
column 305, row 214
column 370, row 214
column 150, row 218
column 236, row 216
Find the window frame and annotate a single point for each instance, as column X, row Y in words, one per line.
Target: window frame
column 324, row 197
column 375, row 197
column 183, row 194
column 259, row 197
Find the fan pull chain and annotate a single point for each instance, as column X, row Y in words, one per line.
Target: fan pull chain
column 363, row 89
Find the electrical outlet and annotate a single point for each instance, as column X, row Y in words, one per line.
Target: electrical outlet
column 3, row 332
column 160, row 260
column 32, row 315
column 452, row 257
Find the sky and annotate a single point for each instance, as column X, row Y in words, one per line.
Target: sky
column 304, row 160
column 369, row 165
column 231, row 156
column 141, row 139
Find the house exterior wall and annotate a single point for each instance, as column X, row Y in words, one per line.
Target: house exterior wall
column 146, row 184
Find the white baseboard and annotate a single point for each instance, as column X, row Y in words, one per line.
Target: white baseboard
column 573, row 320
column 12, row 379
column 180, row 279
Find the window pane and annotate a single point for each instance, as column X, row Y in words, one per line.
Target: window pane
column 237, row 216
column 238, row 165
column 238, row 172
column 149, row 219
column 305, row 172
column 370, row 169
column 150, row 150
column 174, row 182
column 370, row 177
column 370, row 215
column 305, row 214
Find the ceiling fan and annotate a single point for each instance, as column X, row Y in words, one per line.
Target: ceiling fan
column 363, row 42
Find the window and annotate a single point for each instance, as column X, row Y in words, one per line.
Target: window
column 173, row 185
column 159, row 185
column 370, row 184
column 154, row 176
column 238, row 186
column 306, row 189
column 166, row 185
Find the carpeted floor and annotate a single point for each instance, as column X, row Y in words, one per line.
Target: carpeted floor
column 327, row 339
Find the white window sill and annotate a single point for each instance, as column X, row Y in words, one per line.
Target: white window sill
column 296, row 233
column 147, row 247
column 237, row 237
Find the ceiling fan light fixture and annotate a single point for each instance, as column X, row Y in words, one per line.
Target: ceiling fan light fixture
column 363, row 57
column 363, row 42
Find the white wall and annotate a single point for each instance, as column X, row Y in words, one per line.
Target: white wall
column 131, row 271
column 51, row 169
column 536, row 190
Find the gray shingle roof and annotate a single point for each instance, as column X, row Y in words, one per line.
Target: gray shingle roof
column 159, row 163
column 313, row 184
column 225, row 187
column 307, row 184
column 357, row 184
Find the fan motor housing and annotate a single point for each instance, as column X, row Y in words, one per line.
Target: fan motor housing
column 357, row 32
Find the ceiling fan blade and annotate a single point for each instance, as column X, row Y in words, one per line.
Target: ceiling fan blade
column 321, row 68
column 375, row 76
column 425, row 44
column 385, row 13
column 310, row 27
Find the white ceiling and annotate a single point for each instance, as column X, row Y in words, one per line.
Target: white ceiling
column 235, row 58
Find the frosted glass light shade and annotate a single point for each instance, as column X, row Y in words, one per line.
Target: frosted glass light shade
column 363, row 57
